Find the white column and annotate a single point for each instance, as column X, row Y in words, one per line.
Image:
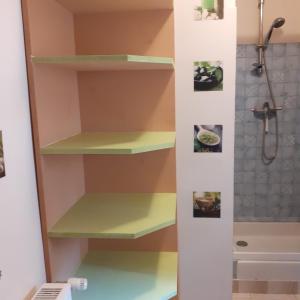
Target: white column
column 205, row 244
column 21, row 250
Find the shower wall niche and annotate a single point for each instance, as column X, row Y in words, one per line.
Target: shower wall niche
column 268, row 193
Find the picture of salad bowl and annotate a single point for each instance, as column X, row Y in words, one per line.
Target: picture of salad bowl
column 208, row 138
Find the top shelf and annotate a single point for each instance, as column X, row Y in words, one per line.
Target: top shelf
column 96, row 6
column 107, row 62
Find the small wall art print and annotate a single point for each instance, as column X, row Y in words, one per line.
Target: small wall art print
column 2, row 165
column 208, row 138
column 207, row 204
column 208, row 10
column 208, row 76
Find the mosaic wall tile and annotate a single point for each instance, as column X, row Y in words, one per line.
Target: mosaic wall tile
column 268, row 193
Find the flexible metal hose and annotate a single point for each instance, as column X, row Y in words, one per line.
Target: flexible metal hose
column 268, row 159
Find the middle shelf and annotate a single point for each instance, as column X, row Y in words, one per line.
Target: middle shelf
column 112, row 143
column 117, row 216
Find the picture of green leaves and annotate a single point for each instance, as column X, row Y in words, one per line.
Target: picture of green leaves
column 208, row 76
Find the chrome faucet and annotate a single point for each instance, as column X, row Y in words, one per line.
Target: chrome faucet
column 266, row 114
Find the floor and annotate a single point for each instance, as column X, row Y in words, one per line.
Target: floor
column 265, row 297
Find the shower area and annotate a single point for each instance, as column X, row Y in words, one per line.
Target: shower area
column 267, row 150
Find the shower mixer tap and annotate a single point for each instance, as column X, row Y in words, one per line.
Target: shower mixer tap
column 266, row 113
column 271, row 111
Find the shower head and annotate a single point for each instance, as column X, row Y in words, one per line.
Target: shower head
column 277, row 23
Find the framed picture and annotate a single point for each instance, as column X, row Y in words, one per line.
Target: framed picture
column 208, row 138
column 208, row 76
column 207, row 204
column 208, row 10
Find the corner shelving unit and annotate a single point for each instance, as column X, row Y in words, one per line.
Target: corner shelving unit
column 72, row 63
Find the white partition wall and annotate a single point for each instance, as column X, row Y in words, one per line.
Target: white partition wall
column 21, row 250
column 205, row 240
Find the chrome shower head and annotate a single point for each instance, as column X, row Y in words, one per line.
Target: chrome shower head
column 277, row 23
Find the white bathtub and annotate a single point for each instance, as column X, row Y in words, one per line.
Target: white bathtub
column 272, row 254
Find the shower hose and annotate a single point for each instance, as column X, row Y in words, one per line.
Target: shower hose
column 269, row 158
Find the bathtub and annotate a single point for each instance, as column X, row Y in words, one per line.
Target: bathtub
column 272, row 253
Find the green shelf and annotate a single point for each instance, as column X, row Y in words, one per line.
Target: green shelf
column 107, row 62
column 112, row 143
column 96, row 6
column 129, row 276
column 117, row 216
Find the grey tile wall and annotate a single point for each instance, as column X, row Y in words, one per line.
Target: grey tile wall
column 268, row 193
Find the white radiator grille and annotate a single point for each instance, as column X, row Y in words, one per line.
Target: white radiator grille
column 54, row 291
column 48, row 294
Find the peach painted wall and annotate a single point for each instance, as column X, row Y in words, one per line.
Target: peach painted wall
column 57, row 103
column 248, row 18
column 140, row 33
column 127, row 101
column 54, row 30
column 54, row 94
column 141, row 173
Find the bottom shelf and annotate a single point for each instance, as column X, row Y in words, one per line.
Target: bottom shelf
column 129, row 276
